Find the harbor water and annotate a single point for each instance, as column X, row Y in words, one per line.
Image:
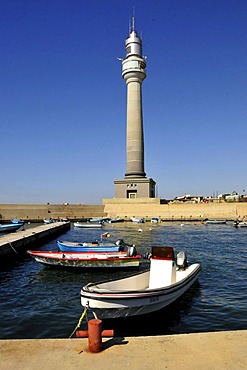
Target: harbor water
column 42, row 302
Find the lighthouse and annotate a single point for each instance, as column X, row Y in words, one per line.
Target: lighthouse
column 135, row 183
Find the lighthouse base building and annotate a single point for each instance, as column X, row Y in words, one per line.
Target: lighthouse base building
column 135, row 188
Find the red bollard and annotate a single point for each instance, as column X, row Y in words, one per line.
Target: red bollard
column 94, row 335
column 105, row 333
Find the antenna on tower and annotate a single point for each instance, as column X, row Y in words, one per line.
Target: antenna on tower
column 133, row 20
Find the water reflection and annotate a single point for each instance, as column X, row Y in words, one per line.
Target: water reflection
column 41, row 302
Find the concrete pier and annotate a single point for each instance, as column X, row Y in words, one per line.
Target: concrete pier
column 12, row 243
column 205, row 351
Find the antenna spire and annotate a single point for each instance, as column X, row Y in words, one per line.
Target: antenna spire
column 133, row 21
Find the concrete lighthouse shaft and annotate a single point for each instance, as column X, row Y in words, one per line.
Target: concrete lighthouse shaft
column 135, row 183
column 133, row 72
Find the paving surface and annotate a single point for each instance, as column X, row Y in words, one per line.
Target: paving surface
column 204, row 351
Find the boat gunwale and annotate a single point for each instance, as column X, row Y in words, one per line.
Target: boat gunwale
column 110, row 256
column 120, row 294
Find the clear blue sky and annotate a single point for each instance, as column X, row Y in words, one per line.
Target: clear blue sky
column 63, row 100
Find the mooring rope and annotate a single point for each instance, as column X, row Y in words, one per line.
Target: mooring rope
column 13, row 248
column 79, row 322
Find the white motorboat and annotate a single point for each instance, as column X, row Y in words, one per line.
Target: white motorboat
column 88, row 225
column 215, row 222
column 48, row 220
column 145, row 292
column 240, row 224
column 137, row 220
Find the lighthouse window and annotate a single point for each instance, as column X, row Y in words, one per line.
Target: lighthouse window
column 128, row 50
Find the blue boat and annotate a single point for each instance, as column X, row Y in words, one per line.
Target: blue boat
column 17, row 221
column 8, row 228
column 66, row 246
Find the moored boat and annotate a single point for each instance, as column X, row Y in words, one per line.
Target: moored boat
column 88, row 259
column 137, row 220
column 8, row 228
column 88, row 225
column 215, row 222
column 48, row 220
column 145, row 292
column 116, row 220
column 17, row 221
column 98, row 219
column 240, row 224
column 66, row 246
column 155, row 220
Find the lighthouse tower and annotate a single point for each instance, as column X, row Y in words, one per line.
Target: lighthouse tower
column 135, row 183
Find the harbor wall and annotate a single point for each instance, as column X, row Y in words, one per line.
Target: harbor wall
column 13, row 243
column 36, row 212
column 148, row 208
column 125, row 208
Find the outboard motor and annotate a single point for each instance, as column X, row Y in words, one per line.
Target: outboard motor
column 131, row 251
column 147, row 256
column 119, row 242
column 181, row 261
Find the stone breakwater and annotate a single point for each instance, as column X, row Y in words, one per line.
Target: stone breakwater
column 125, row 208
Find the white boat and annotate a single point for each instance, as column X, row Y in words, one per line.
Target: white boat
column 137, row 220
column 48, row 220
column 116, row 220
column 155, row 220
column 88, row 225
column 215, row 222
column 145, row 292
column 98, row 219
column 240, row 224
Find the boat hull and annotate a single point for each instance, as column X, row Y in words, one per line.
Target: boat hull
column 86, row 260
column 8, row 228
column 107, row 305
column 215, row 222
column 87, row 225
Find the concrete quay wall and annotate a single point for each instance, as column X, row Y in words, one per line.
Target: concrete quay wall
column 125, row 208
column 205, row 351
column 19, row 241
column 36, row 212
column 148, row 208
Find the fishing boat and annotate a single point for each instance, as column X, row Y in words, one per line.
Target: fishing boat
column 88, row 259
column 144, row 292
column 155, row 220
column 8, row 228
column 98, row 219
column 215, row 222
column 116, row 220
column 137, row 220
column 67, row 246
column 88, row 225
column 240, row 224
column 48, row 220
column 17, row 221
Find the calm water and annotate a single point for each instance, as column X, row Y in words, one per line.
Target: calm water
column 41, row 302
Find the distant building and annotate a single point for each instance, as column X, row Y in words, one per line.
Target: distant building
column 188, row 198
